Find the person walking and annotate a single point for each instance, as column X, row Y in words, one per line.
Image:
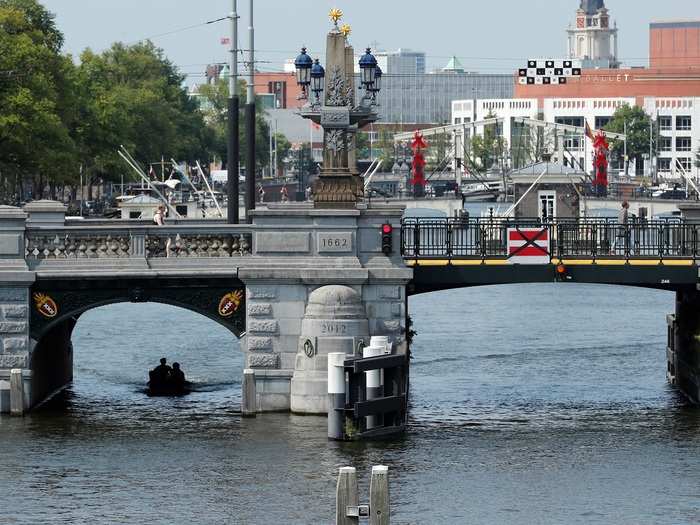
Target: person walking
column 159, row 220
column 623, row 235
column 159, row 217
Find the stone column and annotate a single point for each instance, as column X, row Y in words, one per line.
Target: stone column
column 15, row 286
column 686, row 342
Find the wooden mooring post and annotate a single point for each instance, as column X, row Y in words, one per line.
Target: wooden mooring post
column 348, row 510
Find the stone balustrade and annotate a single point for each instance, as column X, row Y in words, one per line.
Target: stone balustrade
column 143, row 241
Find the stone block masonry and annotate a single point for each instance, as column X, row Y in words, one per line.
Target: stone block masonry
column 14, row 335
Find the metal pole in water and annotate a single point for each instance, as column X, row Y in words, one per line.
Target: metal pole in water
column 373, row 379
column 234, row 149
column 336, row 395
column 250, row 122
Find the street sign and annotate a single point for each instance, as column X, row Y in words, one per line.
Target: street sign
column 529, row 246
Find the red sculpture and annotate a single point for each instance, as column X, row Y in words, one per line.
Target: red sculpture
column 600, row 163
column 418, row 180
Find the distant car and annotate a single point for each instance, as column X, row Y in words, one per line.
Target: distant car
column 673, row 194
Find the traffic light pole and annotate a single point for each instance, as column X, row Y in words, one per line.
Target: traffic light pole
column 250, row 122
column 234, row 147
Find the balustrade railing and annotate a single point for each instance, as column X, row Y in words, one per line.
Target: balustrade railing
column 133, row 242
column 481, row 238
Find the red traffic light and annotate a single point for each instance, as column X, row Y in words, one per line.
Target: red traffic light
column 387, row 228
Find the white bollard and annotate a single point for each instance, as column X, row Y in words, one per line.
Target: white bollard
column 336, row 395
column 381, row 340
column 16, row 392
column 373, row 381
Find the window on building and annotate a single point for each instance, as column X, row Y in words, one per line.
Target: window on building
column 683, row 123
column 601, row 122
column 458, row 120
column 664, row 164
column 665, row 123
column 665, row 144
column 683, row 144
column 684, row 163
column 548, row 204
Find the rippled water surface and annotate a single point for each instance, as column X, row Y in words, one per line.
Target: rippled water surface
column 530, row 404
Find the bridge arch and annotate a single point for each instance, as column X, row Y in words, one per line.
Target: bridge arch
column 58, row 301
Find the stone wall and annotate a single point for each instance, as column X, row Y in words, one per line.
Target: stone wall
column 14, row 339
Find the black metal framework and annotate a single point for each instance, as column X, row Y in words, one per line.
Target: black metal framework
column 483, row 238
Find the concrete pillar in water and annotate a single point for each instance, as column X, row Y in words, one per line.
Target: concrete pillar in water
column 16, row 392
column 249, row 401
column 685, row 354
column 335, row 322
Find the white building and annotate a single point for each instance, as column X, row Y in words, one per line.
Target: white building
column 678, row 125
column 593, row 41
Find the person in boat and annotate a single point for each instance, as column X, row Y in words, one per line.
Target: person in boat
column 177, row 377
column 159, row 375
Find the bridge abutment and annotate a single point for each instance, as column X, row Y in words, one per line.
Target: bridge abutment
column 15, row 289
column 683, row 353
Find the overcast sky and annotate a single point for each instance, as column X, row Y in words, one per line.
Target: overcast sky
column 487, row 35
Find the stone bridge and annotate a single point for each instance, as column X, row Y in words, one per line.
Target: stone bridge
column 300, row 283
column 290, row 286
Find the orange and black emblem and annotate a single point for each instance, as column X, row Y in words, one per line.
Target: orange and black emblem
column 230, row 303
column 45, row 305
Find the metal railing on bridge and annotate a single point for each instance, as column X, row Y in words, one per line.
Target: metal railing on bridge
column 485, row 238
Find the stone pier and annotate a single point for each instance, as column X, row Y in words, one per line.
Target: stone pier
column 683, row 353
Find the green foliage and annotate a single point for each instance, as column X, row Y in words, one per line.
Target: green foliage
column 214, row 103
column 36, row 97
column 133, row 96
column 490, row 148
column 638, row 123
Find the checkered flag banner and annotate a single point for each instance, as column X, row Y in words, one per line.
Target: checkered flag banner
column 545, row 72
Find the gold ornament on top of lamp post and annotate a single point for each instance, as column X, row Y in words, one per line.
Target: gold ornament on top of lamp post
column 335, row 15
column 345, row 30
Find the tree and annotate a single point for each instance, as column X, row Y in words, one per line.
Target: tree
column 37, row 101
column 134, row 96
column 489, row 148
column 214, row 101
column 637, row 124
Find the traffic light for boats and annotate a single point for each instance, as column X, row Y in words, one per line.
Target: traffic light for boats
column 387, row 239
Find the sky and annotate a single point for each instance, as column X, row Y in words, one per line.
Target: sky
column 494, row 36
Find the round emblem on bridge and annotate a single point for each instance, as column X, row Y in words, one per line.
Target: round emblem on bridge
column 309, row 349
column 45, row 305
column 230, row 303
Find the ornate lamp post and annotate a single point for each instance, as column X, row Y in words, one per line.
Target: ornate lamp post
column 334, row 107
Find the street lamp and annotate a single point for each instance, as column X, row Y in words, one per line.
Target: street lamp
column 368, row 66
column 334, row 108
column 318, row 74
column 377, row 86
column 303, row 65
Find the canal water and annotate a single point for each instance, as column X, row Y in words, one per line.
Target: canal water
column 530, row 404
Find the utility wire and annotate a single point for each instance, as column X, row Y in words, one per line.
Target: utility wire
column 182, row 29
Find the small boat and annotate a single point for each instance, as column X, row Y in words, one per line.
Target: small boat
column 168, row 390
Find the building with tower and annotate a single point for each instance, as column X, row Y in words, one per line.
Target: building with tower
column 593, row 38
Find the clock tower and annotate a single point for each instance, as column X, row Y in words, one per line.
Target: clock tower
column 593, row 39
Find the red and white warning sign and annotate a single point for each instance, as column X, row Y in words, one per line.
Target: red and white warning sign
column 528, row 246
